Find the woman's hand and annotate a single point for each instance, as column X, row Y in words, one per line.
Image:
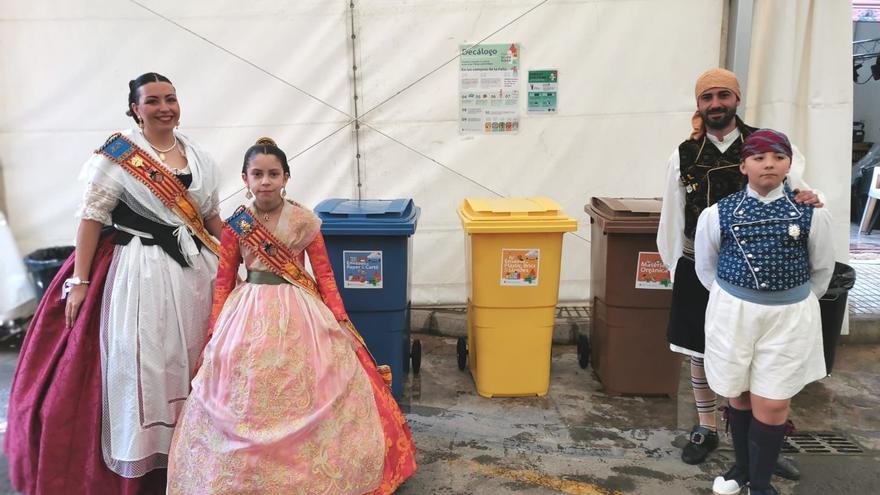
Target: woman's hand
column 75, row 298
column 808, row 198
column 86, row 244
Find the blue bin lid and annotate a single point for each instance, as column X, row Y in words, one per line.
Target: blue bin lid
column 368, row 217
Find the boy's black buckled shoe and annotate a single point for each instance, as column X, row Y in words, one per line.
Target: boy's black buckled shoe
column 701, row 441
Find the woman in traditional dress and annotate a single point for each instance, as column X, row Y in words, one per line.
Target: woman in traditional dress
column 287, row 399
column 104, row 372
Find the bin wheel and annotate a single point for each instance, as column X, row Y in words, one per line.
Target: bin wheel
column 461, row 350
column 416, row 356
column 583, row 351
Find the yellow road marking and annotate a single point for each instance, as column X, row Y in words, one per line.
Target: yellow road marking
column 564, row 486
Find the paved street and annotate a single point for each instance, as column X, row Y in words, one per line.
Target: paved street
column 577, row 440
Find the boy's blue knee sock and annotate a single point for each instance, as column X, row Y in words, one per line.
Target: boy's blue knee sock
column 765, row 443
column 739, row 421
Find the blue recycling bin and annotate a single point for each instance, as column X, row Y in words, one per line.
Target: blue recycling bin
column 369, row 243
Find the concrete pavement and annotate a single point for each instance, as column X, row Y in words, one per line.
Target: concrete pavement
column 578, row 440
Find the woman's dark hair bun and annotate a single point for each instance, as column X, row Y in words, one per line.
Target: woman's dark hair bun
column 135, row 84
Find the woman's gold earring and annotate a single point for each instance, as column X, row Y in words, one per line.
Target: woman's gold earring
column 249, row 194
column 141, row 124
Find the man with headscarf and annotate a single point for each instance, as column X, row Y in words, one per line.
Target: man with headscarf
column 701, row 171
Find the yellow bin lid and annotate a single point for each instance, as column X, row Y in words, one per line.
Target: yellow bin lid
column 511, row 215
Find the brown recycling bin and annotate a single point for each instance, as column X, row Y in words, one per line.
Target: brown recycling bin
column 631, row 297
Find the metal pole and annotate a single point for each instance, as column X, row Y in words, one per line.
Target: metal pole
column 739, row 41
column 357, row 122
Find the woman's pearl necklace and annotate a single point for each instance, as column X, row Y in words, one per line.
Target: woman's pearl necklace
column 162, row 152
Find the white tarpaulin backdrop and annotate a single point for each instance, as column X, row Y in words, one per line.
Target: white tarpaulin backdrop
column 284, row 69
column 800, row 81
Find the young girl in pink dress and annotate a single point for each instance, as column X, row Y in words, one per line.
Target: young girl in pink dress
column 287, row 399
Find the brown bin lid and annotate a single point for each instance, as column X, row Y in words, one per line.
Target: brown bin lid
column 625, row 215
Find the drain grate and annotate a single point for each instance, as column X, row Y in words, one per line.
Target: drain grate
column 804, row 442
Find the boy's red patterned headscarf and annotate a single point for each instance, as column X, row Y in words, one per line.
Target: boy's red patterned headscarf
column 764, row 140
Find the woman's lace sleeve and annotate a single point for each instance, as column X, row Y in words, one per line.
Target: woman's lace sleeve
column 98, row 201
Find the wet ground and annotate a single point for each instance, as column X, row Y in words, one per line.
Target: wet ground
column 578, row 440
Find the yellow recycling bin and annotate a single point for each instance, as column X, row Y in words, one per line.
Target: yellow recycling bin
column 514, row 249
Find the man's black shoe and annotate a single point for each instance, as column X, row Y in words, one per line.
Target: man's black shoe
column 786, row 468
column 701, row 441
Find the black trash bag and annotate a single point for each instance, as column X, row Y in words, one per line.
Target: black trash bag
column 833, row 308
column 43, row 265
column 842, row 280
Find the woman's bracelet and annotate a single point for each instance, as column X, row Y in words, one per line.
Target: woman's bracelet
column 70, row 283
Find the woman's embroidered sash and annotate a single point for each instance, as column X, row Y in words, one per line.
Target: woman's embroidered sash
column 161, row 182
column 275, row 255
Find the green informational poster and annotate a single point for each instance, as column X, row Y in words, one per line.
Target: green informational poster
column 489, row 89
column 542, row 90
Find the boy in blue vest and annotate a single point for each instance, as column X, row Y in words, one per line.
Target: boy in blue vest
column 765, row 260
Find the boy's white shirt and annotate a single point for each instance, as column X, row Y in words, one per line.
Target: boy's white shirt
column 670, row 232
column 707, row 244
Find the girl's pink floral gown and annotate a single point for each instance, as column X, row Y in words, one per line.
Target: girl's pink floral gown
column 286, row 400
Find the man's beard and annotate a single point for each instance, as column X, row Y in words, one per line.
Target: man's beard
column 729, row 114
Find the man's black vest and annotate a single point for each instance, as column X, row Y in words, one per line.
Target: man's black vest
column 709, row 175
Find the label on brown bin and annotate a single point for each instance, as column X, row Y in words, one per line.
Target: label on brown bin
column 519, row 267
column 651, row 273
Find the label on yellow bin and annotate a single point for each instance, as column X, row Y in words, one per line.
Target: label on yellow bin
column 651, row 273
column 520, row 267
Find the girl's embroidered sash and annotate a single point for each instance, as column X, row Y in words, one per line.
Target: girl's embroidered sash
column 161, row 182
column 272, row 252
column 275, row 255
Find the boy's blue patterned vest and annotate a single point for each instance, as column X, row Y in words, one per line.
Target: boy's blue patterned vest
column 764, row 245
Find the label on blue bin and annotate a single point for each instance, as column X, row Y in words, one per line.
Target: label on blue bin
column 519, row 267
column 362, row 269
